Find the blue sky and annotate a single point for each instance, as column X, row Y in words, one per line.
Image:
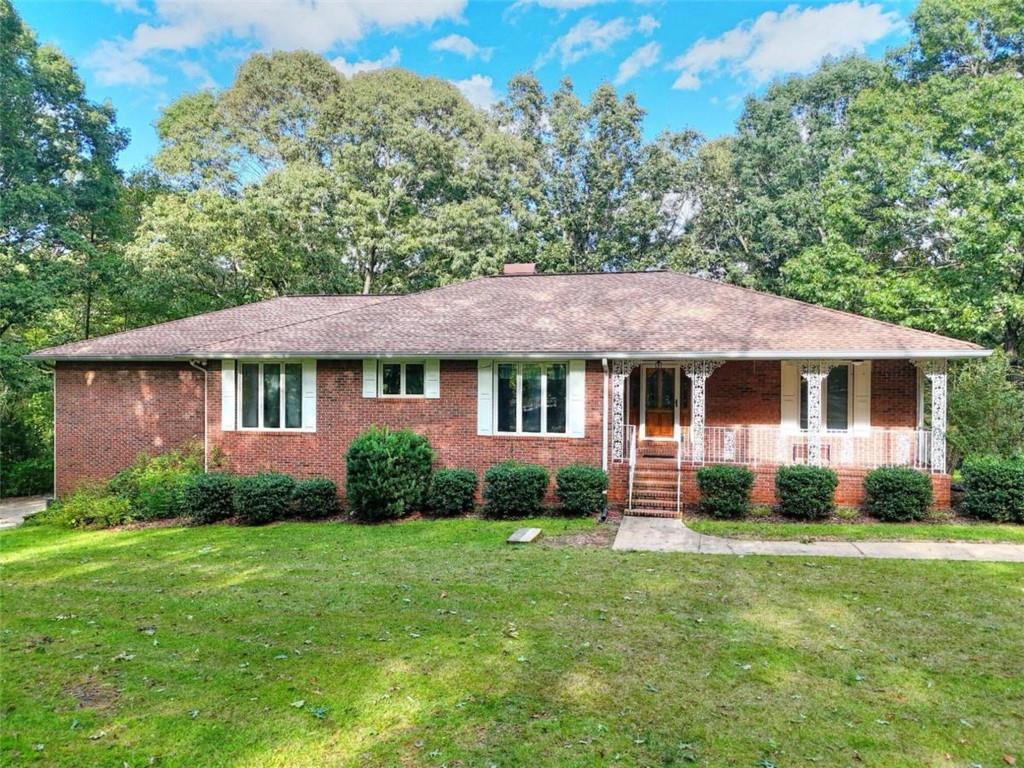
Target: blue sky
column 689, row 63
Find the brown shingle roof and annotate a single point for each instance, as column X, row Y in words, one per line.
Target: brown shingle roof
column 180, row 337
column 651, row 314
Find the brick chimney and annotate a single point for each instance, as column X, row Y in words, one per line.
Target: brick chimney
column 513, row 270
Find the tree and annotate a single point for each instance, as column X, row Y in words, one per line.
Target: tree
column 595, row 195
column 60, row 220
column 298, row 179
column 986, row 409
column 927, row 200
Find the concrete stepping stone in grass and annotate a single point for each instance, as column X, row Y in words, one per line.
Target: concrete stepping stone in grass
column 523, row 536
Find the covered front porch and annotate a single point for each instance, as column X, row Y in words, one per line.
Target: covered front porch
column 670, row 417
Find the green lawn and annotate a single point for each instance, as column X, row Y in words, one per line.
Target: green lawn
column 434, row 644
column 753, row 529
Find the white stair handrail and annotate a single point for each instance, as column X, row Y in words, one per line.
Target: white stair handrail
column 632, row 464
column 679, row 473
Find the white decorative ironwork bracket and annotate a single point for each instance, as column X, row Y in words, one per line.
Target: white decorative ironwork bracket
column 698, row 372
column 814, row 372
column 620, row 372
column 935, row 372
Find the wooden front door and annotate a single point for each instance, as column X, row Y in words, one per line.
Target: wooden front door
column 660, row 402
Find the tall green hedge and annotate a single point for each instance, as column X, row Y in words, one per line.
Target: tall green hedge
column 512, row 489
column 725, row 490
column 994, row 489
column 386, row 473
column 806, row 492
column 897, row 494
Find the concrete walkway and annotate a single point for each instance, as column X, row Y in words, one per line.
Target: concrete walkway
column 654, row 534
column 13, row 511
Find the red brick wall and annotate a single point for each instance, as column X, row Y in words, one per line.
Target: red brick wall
column 108, row 413
column 893, row 394
column 448, row 422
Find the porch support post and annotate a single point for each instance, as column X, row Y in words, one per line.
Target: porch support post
column 620, row 372
column 814, row 372
column 935, row 372
column 698, row 371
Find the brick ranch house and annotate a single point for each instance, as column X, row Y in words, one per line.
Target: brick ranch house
column 648, row 374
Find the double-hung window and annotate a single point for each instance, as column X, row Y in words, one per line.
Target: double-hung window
column 531, row 398
column 402, row 379
column 835, row 399
column 271, row 396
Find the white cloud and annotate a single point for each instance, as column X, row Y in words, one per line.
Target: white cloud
column 182, row 25
column 793, row 41
column 478, row 90
column 643, row 57
column 127, row 6
column 587, row 37
column 560, row 5
column 646, row 24
column 198, row 73
column 462, row 46
column 390, row 59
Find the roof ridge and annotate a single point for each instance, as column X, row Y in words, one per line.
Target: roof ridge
column 821, row 307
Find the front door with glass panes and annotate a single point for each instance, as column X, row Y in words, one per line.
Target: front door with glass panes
column 661, row 401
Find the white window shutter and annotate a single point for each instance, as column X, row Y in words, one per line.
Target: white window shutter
column 369, row 377
column 432, row 378
column 577, row 405
column 862, row 397
column 790, row 395
column 227, row 395
column 484, row 397
column 309, row 395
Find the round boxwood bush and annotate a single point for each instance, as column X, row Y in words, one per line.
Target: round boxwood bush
column 263, row 498
column 512, row 489
column 208, row 498
column 725, row 490
column 805, row 492
column 386, row 473
column 580, row 489
column 994, row 489
column 451, row 492
column 897, row 494
column 315, row 499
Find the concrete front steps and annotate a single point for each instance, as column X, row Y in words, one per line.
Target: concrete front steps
column 655, row 483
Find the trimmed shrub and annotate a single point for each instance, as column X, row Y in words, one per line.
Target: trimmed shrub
column 451, row 492
column 898, row 494
column 316, row 498
column 725, row 490
column 263, row 498
column 90, row 506
column 806, row 492
column 386, row 473
column 27, row 477
column 208, row 498
column 994, row 489
column 152, row 484
column 512, row 489
column 580, row 489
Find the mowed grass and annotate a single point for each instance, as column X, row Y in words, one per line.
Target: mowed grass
column 432, row 643
column 860, row 531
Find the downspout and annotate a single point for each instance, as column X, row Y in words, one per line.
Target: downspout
column 206, row 414
column 53, row 372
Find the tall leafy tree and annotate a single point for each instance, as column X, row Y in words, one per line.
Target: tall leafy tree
column 925, row 212
column 595, row 194
column 60, row 224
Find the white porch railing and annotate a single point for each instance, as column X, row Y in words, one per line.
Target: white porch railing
column 754, row 445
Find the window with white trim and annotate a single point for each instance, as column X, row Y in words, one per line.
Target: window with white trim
column 836, row 399
column 531, row 398
column 270, row 395
column 401, row 379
